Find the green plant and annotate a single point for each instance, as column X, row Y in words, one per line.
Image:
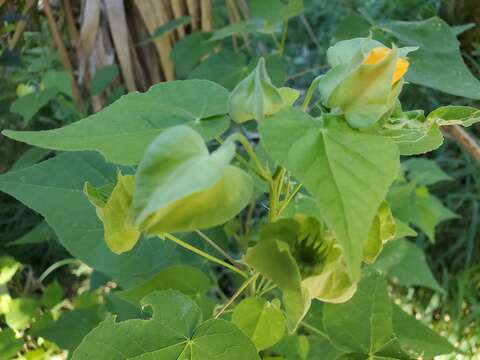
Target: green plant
column 175, row 176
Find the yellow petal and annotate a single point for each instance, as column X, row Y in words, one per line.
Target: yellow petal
column 378, row 54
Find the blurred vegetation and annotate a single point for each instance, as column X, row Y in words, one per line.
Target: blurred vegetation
column 454, row 257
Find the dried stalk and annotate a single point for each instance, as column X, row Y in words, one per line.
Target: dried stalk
column 20, row 28
column 464, row 139
column 67, row 65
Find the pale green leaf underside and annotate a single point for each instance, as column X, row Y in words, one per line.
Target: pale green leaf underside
column 174, row 332
column 348, row 172
column 122, row 131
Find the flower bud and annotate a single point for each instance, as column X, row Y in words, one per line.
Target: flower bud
column 365, row 80
column 255, row 96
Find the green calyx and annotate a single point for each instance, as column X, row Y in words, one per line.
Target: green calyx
column 255, row 97
column 179, row 187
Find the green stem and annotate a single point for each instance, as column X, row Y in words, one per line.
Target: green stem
column 289, row 198
column 281, row 47
column 216, row 247
column 55, row 266
column 251, row 153
column 311, row 90
column 240, row 290
column 267, row 289
column 204, row 254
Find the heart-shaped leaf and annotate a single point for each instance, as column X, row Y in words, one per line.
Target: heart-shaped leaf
column 175, row 331
column 348, row 172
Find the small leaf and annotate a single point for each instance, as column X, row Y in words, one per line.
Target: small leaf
column 29, row 105
column 275, row 11
column 262, row 321
column 102, row 78
column 60, row 80
column 174, row 331
column 189, row 51
column 455, row 115
column 428, row 212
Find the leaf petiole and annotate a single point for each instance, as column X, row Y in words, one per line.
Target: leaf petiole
column 204, row 254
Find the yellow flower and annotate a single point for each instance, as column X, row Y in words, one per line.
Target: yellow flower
column 379, row 53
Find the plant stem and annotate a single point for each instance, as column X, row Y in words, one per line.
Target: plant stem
column 216, row 247
column 240, row 290
column 267, row 289
column 204, row 254
column 310, row 92
column 289, row 198
column 251, row 153
column 281, row 47
column 55, row 266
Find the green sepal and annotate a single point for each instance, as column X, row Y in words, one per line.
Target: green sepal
column 255, row 96
column 181, row 187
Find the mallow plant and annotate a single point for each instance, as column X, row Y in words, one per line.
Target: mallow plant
column 144, row 186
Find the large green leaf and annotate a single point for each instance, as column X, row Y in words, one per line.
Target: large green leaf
column 347, row 171
column 417, row 338
column 363, row 325
column 175, row 331
column 59, row 198
column 180, row 186
column 262, row 321
column 437, row 63
column 122, row 131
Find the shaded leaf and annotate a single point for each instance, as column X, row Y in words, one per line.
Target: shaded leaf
column 29, row 105
column 9, row 344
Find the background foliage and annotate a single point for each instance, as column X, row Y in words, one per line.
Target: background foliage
column 43, row 290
